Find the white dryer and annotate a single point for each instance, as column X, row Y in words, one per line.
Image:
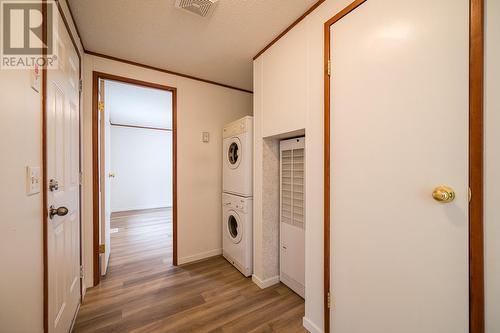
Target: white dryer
column 237, row 172
column 237, row 230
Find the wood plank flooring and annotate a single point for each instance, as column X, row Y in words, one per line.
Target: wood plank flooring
column 143, row 292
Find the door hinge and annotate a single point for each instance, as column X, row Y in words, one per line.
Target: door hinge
column 330, row 301
column 470, row 194
column 329, row 69
column 81, row 272
column 101, row 106
column 102, row 248
column 80, row 177
column 80, row 85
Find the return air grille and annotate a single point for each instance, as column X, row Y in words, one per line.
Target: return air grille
column 292, row 182
column 201, row 8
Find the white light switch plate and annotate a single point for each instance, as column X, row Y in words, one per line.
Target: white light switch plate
column 205, row 137
column 33, row 180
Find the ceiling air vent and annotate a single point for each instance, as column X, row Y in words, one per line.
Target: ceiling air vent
column 201, row 8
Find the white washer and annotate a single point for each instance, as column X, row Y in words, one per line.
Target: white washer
column 237, row 172
column 237, row 230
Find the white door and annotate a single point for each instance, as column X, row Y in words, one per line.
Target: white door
column 292, row 214
column 399, row 124
column 105, row 174
column 63, row 230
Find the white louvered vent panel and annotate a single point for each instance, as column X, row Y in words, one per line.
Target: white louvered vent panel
column 286, row 187
column 292, row 184
column 202, row 8
column 298, row 187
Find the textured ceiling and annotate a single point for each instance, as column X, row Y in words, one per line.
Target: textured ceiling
column 219, row 48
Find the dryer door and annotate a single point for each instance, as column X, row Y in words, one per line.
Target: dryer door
column 234, row 153
column 234, row 227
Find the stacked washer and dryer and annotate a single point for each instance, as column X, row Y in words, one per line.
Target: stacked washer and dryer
column 237, row 188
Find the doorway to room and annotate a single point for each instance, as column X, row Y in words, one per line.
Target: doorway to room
column 134, row 174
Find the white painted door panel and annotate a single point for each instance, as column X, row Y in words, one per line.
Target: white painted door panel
column 399, row 123
column 107, row 191
column 105, row 184
column 63, row 232
column 292, row 257
column 292, row 214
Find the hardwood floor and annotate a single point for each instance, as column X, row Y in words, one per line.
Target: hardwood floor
column 143, row 292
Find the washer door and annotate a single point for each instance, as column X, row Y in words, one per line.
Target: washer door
column 234, row 153
column 234, row 227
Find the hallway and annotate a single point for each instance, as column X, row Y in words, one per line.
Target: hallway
column 143, row 292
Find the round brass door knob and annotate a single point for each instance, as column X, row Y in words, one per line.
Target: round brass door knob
column 443, row 194
column 61, row 211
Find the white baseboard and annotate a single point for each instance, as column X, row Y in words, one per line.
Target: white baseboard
column 199, row 256
column 263, row 284
column 134, row 208
column 310, row 326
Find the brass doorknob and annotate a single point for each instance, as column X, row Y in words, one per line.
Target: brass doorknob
column 443, row 194
column 61, row 211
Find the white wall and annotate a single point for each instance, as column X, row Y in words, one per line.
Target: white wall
column 130, row 104
column 142, row 162
column 288, row 96
column 21, row 278
column 140, row 158
column 200, row 107
column 288, row 86
column 492, row 166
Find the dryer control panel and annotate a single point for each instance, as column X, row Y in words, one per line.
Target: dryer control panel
column 240, row 126
column 237, row 203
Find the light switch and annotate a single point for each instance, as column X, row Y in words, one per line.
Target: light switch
column 33, row 180
column 205, row 137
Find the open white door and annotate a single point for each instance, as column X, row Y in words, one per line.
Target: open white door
column 104, row 183
column 63, row 230
column 399, row 124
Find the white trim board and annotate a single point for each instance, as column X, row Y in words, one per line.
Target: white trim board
column 134, row 208
column 199, row 256
column 310, row 326
column 265, row 283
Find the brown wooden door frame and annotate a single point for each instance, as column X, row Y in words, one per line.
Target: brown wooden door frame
column 95, row 160
column 476, row 144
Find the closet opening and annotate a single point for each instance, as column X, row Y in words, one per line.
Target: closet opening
column 284, row 212
column 134, row 177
